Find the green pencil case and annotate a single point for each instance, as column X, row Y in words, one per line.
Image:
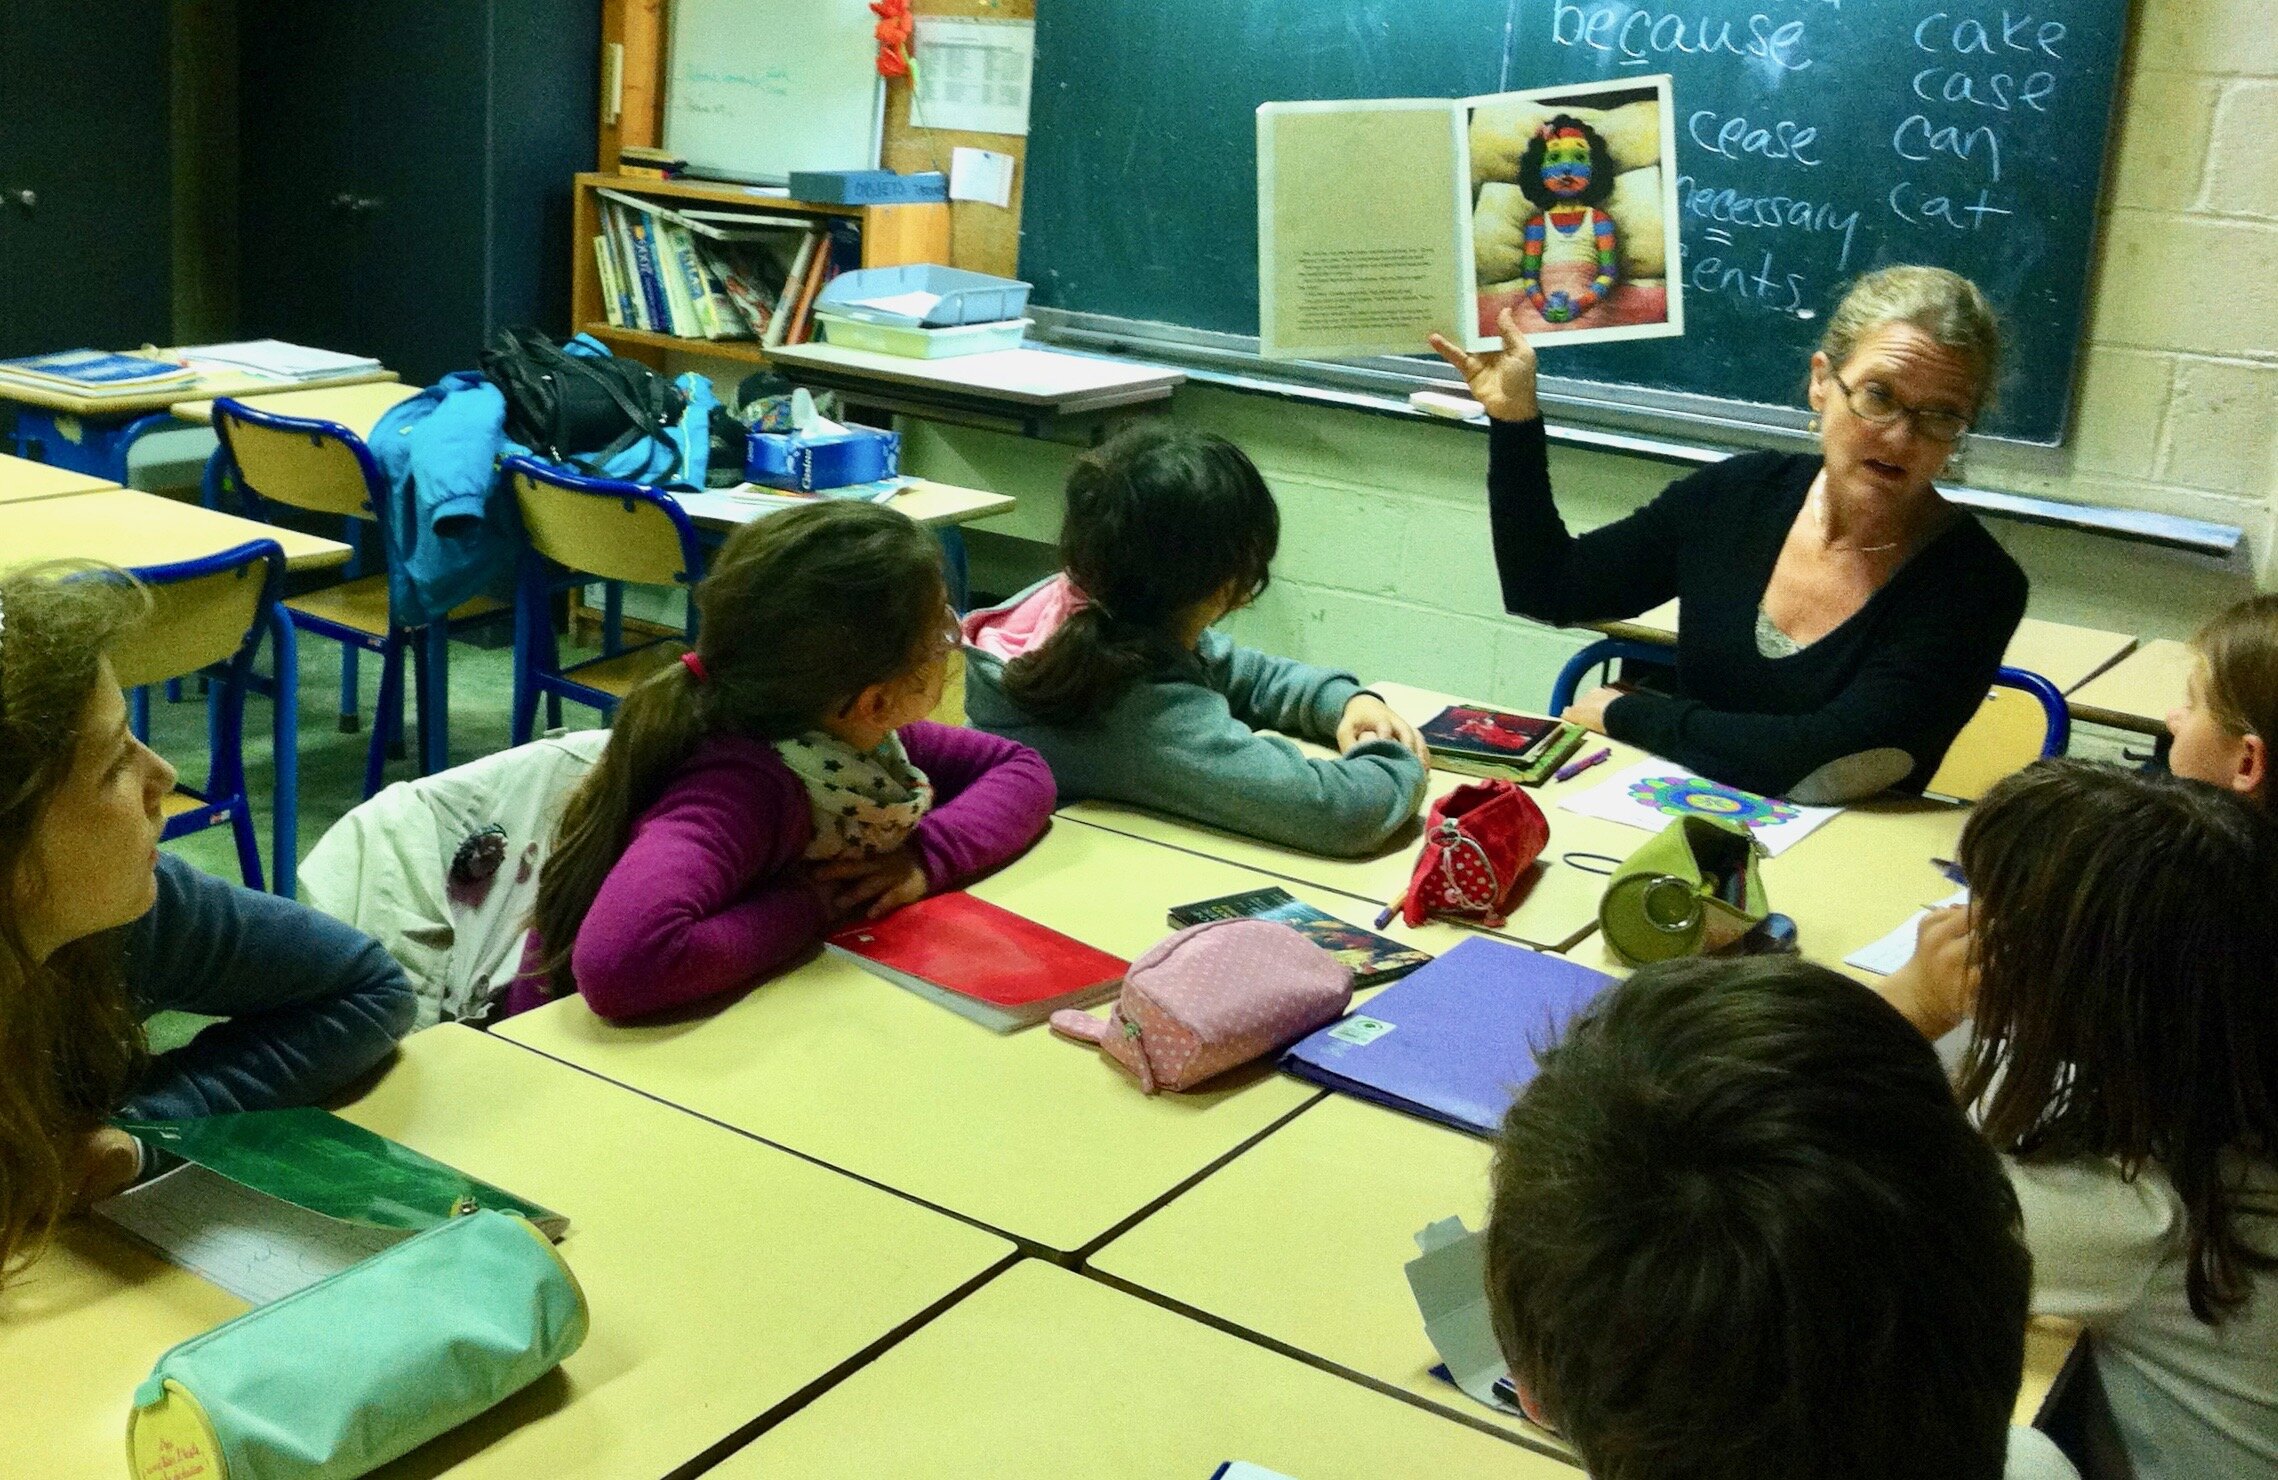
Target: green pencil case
column 333, row 1381
column 1693, row 888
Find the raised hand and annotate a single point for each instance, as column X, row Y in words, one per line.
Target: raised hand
column 1502, row 382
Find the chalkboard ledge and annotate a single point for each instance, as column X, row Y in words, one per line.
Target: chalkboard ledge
column 1378, row 390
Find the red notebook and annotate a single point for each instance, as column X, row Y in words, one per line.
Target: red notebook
column 1000, row 970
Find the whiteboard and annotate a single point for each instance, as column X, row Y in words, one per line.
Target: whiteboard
column 759, row 88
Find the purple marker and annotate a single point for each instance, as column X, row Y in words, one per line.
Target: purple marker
column 1573, row 769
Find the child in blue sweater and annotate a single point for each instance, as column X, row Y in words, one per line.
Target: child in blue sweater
column 1112, row 671
column 98, row 931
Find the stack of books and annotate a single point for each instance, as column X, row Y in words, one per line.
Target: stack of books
column 274, row 359
column 1525, row 748
column 703, row 274
column 96, row 373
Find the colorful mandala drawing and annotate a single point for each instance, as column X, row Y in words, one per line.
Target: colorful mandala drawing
column 1680, row 796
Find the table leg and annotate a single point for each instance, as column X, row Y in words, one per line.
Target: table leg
column 285, row 732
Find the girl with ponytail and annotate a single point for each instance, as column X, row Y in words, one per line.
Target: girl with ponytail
column 1112, row 671
column 781, row 778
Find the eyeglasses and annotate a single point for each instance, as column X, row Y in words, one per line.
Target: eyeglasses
column 1873, row 403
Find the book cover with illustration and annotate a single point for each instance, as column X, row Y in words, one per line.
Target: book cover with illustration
column 1374, row 959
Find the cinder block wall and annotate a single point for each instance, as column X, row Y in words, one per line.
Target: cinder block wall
column 1385, row 566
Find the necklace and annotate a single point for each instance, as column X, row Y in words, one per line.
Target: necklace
column 1819, row 492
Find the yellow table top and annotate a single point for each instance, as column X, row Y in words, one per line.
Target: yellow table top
column 2065, row 655
column 725, row 1276
column 204, row 388
column 2136, row 692
column 354, row 405
column 1025, row 1132
column 1304, row 1238
column 1560, row 908
column 127, row 527
column 23, row 481
column 1850, row 883
column 1044, row 1375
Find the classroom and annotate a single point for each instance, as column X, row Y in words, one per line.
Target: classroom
column 1277, row 740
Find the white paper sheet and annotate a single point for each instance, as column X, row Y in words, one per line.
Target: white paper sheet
column 1897, row 948
column 258, row 1248
column 973, row 74
column 1653, row 793
column 913, row 305
column 748, row 501
column 981, row 174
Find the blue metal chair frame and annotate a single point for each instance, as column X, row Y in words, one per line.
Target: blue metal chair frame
column 428, row 644
column 2058, row 737
column 224, row 797
column 1606, row 650
column 537, row 654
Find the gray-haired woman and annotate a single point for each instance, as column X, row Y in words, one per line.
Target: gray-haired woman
column 1842, row 621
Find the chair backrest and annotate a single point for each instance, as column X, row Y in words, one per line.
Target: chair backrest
column 299, row 460
column 2023, row 719
column 205, row 611
column 1606, row 650
column 603, row 527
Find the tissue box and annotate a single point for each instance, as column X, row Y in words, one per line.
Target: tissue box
column 810, row 464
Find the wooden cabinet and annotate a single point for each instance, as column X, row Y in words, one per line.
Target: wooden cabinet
column 86, row 211
column 403, row 171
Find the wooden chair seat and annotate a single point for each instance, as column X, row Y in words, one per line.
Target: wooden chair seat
column 363, row 605
column 616, row 676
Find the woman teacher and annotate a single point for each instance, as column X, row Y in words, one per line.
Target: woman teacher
column 1842, row 621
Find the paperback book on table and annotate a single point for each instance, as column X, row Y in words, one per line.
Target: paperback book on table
column 1475, row 741
column 1374, row 959
column 96, row 372
column 1456, row 1041
column 999, row 969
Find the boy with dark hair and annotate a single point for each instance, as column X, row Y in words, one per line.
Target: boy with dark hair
column 1742, row 1229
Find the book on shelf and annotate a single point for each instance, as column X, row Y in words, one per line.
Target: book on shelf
column 605, row 273
column 1374, row 959
column 750, row 273
column 999, row 969
column 787, row 301
column 96, row 372
column 656, row 317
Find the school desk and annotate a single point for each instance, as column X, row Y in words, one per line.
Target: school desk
column 356, row 406
column 1557, row 910
column 1851, row 882
column 127, row 527
column 23, row 481
column 2065, row 655
column 93, row 434
column 1304, row 1240
column 724, row 1277
column 1020, row 390
column 1043, row 1374
column 1025, row 1132
column 2137, row 692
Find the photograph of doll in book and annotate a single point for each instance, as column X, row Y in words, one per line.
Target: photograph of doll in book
column 1572, row 212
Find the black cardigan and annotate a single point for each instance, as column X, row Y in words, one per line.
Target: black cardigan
column 1907, row 670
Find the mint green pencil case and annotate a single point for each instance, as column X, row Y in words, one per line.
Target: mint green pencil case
column 333, row 1381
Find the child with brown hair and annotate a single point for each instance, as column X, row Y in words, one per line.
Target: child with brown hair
column 99, row 930
column 779, row 779
column 2116, row 964
column 2223, row 728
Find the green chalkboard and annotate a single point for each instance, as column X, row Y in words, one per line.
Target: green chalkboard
column 1816, row 139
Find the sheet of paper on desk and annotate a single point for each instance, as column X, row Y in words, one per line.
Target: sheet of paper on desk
column 1895, row 949
column 748, row 501
column 973, row 74
column 258, row 1248
column 1652, row 794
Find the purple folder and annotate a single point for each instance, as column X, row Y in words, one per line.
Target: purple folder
column 1455, row 1042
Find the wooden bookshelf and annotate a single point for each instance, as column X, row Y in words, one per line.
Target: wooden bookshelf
column 891, row 236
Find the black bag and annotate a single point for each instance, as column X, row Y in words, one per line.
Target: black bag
column 578, row 410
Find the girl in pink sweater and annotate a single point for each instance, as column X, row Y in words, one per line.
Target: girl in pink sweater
column 781, row 778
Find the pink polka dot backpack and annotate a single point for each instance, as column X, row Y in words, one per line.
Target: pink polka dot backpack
column 1480, row 845
column 1212, row 997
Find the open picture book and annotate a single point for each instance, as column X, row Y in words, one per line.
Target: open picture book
column 1383, row 221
